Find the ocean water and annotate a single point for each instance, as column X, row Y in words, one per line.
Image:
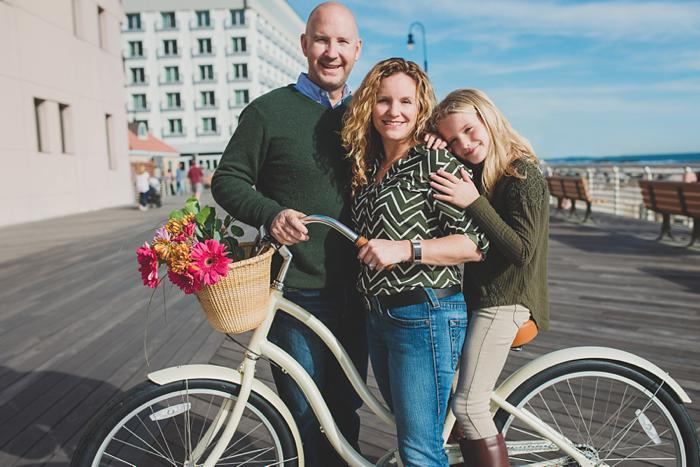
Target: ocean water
column 652, row 159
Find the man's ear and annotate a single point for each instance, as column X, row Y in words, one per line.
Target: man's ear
column 302, row 39
column 359, row 49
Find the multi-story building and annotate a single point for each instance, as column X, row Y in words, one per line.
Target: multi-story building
column 192, row 65
column 63, row 133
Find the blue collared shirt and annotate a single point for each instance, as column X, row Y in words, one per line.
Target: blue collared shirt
column 312, row 90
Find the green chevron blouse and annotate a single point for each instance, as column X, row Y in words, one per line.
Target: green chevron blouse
column 401, row 207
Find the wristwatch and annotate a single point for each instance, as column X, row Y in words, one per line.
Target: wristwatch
column 417, row 251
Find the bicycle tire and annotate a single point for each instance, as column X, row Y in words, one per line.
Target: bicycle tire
column 650, row 426
column 156, row 425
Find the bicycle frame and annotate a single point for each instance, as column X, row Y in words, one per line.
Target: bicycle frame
column 259, row 345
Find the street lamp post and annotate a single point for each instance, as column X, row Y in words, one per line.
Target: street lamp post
column 411, row 42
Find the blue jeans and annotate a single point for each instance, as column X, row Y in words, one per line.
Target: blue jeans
column 414, row 351
column 342, row 311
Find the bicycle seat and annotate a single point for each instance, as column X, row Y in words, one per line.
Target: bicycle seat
column 525, row 334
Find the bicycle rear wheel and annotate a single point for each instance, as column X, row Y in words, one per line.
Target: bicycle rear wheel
column 612, row 412
column 178, row 424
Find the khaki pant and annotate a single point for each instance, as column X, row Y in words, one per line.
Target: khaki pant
column 489, row 335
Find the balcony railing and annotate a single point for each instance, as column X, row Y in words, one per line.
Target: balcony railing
column 143, row 55
column 203, row 53
column 138, row 29
column 232, row 78
column 163, row 54
column 132, row 108
column 206, row 105
column 236, row 53
column 195, row 25
column 210, row 132
column 165, row 107
column 236, row 104
column 138, row 83
column 167, row 82
column 168, row 27
column 183, row 133
column 198, row 79
column 229, row 25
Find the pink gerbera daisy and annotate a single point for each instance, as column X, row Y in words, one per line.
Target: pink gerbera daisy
column 148, row 265
column 188, row 229
column 210, row 261
column 186, row 281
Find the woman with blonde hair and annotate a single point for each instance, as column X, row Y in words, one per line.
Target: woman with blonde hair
column 508, row 199
column 409, row 276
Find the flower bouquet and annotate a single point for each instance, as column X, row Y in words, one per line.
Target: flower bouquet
column 201, row 255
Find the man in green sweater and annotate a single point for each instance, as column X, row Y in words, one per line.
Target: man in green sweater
column 287, row 145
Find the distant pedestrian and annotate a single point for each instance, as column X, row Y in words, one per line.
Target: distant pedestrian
column 169, row 183
column 142, row 186
column 180, row 179
column 195, row 175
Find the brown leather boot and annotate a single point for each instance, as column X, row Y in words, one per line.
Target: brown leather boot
column 486, row 452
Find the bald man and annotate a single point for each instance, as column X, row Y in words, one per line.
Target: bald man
column 287, row 145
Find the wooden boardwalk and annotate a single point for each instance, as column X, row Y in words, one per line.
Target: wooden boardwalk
column 73, row 314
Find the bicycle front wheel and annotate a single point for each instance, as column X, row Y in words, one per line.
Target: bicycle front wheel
column 613, row 413
column 178, row 424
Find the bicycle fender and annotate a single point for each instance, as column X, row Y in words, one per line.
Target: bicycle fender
column 585, row 353
column 220, row 373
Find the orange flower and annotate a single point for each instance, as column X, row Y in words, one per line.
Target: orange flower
column 180, row 258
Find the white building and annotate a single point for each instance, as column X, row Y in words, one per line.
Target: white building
column 192, row 65
column 63, row 140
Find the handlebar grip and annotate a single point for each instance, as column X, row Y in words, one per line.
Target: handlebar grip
column 362, row 241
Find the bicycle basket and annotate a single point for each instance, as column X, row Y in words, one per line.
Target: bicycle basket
column 238, row 302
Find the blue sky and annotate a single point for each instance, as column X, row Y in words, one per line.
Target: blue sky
column 575, row 77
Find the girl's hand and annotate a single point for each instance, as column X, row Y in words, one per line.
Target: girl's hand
column 450, row 189
column 433, row 141
column 378, row 254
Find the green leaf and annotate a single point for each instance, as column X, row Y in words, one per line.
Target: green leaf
column 177, row 214
column 192, row 206
column 203, row 215
column 227, row 221
column 236, row 231
column 217, row 236
column 199, row 232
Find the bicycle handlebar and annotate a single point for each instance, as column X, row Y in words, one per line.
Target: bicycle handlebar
column 341, row 228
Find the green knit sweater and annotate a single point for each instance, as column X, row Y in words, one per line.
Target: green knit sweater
column 288, row 147
column 516, row 222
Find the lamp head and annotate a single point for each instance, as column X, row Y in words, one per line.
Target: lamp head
column 410, row 42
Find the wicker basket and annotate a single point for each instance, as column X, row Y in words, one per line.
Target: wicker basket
column 238, row 302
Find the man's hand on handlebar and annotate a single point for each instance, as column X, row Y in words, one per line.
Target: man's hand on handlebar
column 379, row 254
column 288, row 229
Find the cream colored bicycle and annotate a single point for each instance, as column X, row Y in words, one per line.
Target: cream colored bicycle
column 588, row 406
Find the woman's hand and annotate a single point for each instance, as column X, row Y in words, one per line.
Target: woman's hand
column 378, row 254
column 433, row 141
column 459, row 193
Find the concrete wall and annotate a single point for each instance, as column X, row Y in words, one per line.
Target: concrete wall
column 56, row 51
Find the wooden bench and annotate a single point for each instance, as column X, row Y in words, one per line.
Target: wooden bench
column 573, row 189
column 669, row 198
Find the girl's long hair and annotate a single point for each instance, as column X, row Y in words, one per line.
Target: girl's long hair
column 507, row 145
column 360, row 138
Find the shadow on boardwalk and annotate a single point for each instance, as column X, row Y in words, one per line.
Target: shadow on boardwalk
column 72, row 319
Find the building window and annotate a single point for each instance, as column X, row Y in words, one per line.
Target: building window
column 142, row 126
column 135, row 49
column 241, row 96
column 240, row 70
column 175, row 126
column 139, row 101
column 204, row 46
column 173, row 100
column 102, row 27
column 206, row 72
column 238, row 44
column 170, row 47
column 209, row 124
column 138, row 76
column 42, row 129
column 133, row 21
column 237, row 17
column 203, row 19
column 112, row 160
column 208, row 98
column 172, row 74
column 66, row 126
column 168, row 18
